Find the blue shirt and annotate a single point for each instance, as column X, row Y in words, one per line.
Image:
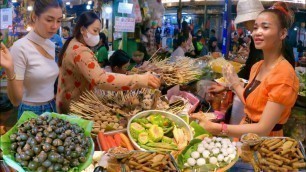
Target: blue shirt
column 57, row 40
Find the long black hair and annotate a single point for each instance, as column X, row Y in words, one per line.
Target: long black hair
column 85, row 20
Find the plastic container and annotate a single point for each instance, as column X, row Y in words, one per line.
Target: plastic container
column 193, row 100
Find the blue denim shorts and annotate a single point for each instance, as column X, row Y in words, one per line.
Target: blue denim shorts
column 48, row 107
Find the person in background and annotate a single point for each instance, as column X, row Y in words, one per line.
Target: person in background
column 180, row 50
column 102, row 50
column 80, row 70
column 272, row 91
column 300, row 48
column 204, row 51
column 198, row 42
column 186, row 32
column 119, row 62
column 65, row 33
column 137, row 59
column 213, row 45
column 57, row 40
column 31, row 68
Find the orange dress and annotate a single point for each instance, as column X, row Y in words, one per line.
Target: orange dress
column 281, row 86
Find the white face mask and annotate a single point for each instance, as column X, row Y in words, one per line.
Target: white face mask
column 91, row 40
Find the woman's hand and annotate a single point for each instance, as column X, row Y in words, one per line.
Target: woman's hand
column 6, row 60
column 154, row 82
column 206, row 124
column 216, row 88
column 230, row 75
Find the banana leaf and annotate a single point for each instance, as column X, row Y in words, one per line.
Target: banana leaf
column 5, row 142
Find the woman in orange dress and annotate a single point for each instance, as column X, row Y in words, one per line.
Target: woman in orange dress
column 273, row 86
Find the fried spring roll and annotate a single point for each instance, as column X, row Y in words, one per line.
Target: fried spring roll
column 171, row 165
column 287, row 145
column 281, row 158
column 300, row 154
column 147, row 158
column 264, row 150
column 275, row 161
column 287, row 167
column 294, row 160
column 275, row 146
column 299, row 165
column 148, row 169
column 273, row 167
column 273, row 142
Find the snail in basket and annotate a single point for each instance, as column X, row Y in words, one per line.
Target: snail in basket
column 49, row 144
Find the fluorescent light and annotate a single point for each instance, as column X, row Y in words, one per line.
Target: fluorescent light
column 67, row 3
column 89, row 2
column 108, row 10
column 30, row 8
column 14, row 1
column 87, row 7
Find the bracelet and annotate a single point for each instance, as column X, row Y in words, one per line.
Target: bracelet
column 11, row 79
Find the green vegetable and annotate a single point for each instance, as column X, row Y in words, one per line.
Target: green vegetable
column 198, row 130
column 156, row 133
column 159, row 120
column 141, row 121
column 167, row 130
column 163, row 145
column 147, row 126
column 154, row 148
column 143, row 138
column 166, row 139
column 136, row 129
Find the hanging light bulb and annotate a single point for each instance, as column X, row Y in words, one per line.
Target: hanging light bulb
column 88, row 7
column 30, row 8
column 108, row 10
column 68, row 3
column 89, row 2
column 14, row 1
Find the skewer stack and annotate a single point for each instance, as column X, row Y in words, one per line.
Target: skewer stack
column 182, row 71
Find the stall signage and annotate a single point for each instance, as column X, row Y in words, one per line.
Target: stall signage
column 137, row 12
column 6, row 18
column 126, row 8
column 124, row 24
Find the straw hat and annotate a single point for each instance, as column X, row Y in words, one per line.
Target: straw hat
column 248, row 10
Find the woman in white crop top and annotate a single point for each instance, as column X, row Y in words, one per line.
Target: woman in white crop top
column 31, row 68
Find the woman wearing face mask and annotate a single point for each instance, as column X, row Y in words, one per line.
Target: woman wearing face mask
column 80, row 71
column 273, row 84
column 31, row 67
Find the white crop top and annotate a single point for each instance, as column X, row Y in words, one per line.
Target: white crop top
column 37, row 72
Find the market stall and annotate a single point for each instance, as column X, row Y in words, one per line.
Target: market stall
column 146, row 130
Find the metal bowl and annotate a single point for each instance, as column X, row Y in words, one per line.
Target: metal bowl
column 176, row 119
column 251, row 142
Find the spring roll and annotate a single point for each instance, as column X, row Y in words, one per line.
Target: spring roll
column 281, row 158
column 147, row 158
column 275, row 168
column 299, row 165
column 300, row 154
column 275, row 146
column 275, row 141
column 275, row 161
column 287, row 145
column 287, row 167
column 264, row 150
